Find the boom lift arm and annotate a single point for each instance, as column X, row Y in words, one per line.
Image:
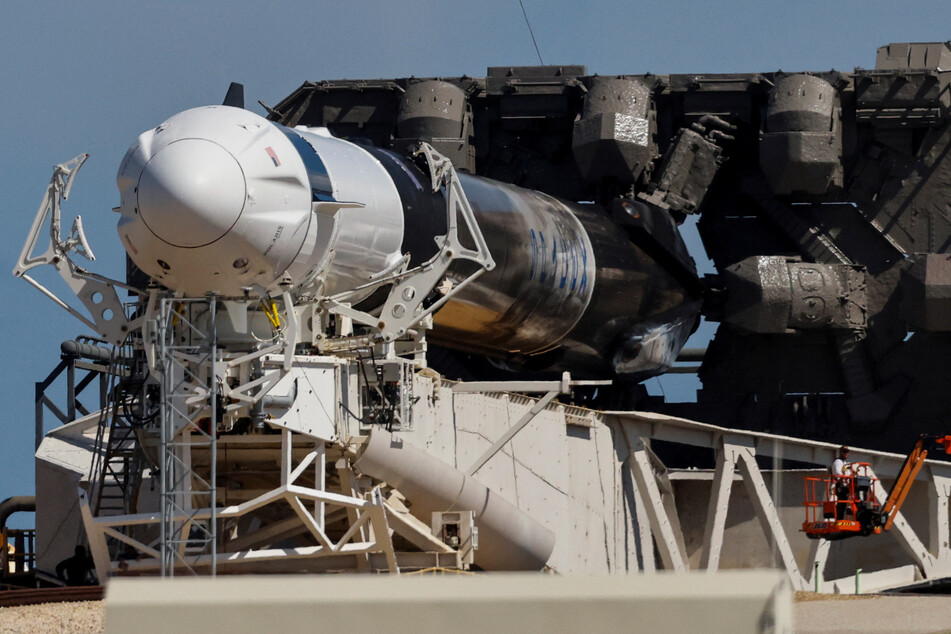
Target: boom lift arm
column 847, row 503
column 909, row 471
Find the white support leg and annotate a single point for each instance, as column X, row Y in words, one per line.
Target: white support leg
column 526, row 418
column 320, row 482
column 907, row 538
column 939, row 535
column 185, row 500
column 309, row 522
column 667, row 496
column 97, row 541
column 276, row 531
column 766, row 510
column 667, row 542
column 645, row 537
column 816, row 565
column 287, row 456
column 350, row 488
column 718, row 507
column 381, row 529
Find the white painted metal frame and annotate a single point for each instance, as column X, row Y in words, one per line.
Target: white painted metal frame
column 188, row 396
column 369, row 531
column 403, row 308
column 736, row 452
column 98, row 294
column 551, row 388
column 663, row 525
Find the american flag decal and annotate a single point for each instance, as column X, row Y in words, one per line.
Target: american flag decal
column 270, row 152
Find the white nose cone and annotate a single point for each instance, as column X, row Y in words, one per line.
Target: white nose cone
column 191, row 193
column 214, row 200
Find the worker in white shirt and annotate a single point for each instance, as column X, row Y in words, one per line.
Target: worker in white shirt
column 842, row 475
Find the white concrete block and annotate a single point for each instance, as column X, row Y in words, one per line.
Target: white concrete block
column 731, row 602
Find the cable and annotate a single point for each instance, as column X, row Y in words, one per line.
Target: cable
column 388, row 405
column 532, row 33
column 354, row 416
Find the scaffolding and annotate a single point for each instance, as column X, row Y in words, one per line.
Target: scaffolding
column 187, row 351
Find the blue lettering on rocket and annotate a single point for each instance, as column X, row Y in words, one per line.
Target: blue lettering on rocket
column 574, row 267
column 531, row 273
column 542, row 259
column 584, row 269
column 564, row 274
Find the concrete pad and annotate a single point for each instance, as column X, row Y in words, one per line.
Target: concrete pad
column 873, row 614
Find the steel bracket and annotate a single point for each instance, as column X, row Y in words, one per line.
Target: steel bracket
column 404, row 307
column 98, row 294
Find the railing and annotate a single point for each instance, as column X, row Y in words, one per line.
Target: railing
column 20, row 560
column 824, row 492
column 96, row 367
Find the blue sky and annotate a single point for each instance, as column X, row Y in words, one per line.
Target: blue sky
column 90, row 76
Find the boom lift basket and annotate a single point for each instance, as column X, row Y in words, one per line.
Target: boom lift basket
column 842, row 506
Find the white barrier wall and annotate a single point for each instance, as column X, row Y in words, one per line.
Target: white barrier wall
column 729, row 602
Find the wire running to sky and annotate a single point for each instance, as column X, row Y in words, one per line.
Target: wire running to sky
column 530, row 32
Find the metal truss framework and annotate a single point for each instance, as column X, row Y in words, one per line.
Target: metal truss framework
column 192, row 532
column 660, row 541
column 189, row 409
column 73, row 406
column 736, row 456
column 372, row 522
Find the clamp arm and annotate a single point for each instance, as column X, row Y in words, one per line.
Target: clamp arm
column 98, row 294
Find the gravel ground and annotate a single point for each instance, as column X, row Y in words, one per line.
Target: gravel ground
column 866, row 614
column 81, row 617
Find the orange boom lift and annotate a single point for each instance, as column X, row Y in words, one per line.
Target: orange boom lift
column 846, row 506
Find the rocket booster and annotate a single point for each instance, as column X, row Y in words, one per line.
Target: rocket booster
column 219, row 199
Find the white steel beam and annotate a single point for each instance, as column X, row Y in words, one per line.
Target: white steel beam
column 327, row 496
column 364, row 519
column 907, row 537
column 97, row 540
column 275, row 531
column 350, row 487
column 131, row 542
column 287, row 456
column 816, row 564
column 718, row 506
column 661, row 527
column 381, row 529
column 526, row 418
column 764, row 507
column 939, row 535
column 645, row 537
column 413, row 530
column 309, row 522
column 269, row 554
column 662, row 477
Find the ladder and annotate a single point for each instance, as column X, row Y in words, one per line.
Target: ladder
column 119, row 464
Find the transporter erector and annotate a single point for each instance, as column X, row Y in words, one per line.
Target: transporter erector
column 303, row 286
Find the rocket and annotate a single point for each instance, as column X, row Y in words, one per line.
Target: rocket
column 221, row 200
